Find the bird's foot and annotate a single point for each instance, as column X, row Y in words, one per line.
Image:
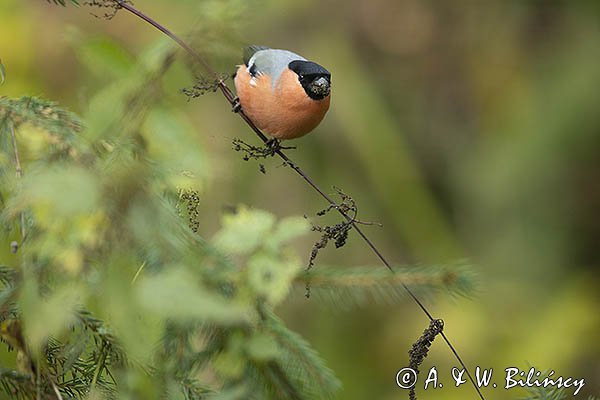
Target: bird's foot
column 273, row 146
column 236, row 106
column 270, row 148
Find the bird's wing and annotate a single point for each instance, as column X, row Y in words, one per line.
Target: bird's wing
column 250, row 50
column 271, row 62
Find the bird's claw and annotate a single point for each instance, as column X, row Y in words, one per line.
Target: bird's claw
column 236, row 106
column 273, row 145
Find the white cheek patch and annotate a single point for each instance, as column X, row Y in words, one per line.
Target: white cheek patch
column 253, row 76
column 252, row 81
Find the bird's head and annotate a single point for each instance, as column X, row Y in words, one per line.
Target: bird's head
column 315, row 79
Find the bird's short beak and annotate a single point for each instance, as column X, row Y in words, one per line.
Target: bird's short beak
column 321, row 86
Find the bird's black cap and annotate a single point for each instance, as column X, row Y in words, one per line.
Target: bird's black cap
column 308, row 68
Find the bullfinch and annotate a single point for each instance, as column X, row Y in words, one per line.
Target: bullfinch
column 285, row 95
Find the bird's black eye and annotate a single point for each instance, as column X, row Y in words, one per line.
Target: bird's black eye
column 253, row 70
column 314, row 78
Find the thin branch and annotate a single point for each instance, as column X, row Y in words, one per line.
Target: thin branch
column 58, row 396
column 230, row 97
column 139, row 271
column 19, row 175
column 170, row 34
column 100, row 365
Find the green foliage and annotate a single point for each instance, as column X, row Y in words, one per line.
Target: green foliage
column 302, row 363
column 549, row 393
column 546, row 394
column 42, row 114
column 112, row 291
column 63, row 2
column 345, row 287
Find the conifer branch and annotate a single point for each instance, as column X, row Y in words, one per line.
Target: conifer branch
column 361, row 285
column 308, row 368
column 279, row 384
column 61, row 124
column 68, row 369
column 193, row 390
column 16, row 384
column 63, row 2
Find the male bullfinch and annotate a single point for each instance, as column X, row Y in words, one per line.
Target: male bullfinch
column 284, row 94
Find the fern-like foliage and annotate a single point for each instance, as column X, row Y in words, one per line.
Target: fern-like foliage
column 72, row 367
column 45, row 123
column 304, row 367
column 550, row 392
column 63, row 2
column 19, row 386
column 42, row 114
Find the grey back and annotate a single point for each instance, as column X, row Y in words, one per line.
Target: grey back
column 272, row 62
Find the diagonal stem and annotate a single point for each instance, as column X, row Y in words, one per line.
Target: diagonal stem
column 19, row 171
column 228, row 94
column 167, row 32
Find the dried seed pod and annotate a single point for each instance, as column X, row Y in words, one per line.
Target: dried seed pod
column 420, row 348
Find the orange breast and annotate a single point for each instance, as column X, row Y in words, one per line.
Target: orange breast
column 284, row 112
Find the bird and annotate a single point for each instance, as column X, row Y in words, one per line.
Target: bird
column 281, row 92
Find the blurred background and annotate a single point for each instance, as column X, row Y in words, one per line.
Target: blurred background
column 470, row 129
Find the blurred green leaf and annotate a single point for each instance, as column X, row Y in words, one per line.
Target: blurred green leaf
column 50, row 315
column 230, row 364
column 106, row 108
column 117, row 112
column 59, row 192
column 244, row 231
column 261, row 347
column 288, row 229
column 271, row 276
column 187, row 299
column 63, row 2
column 104, row 57
column 171, row 143
column 43, row 114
